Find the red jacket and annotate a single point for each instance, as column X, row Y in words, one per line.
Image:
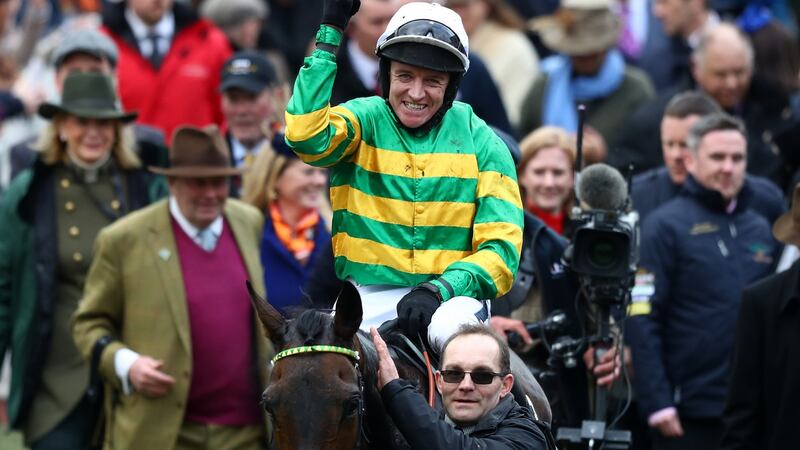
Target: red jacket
column 185, row 90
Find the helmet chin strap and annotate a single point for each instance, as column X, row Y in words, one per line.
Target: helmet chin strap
column 449, row 97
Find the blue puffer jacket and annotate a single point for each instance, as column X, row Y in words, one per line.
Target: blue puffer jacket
column 696, row 260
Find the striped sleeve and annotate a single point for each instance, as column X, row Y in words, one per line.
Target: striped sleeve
column 321, row 135
column 497, row 227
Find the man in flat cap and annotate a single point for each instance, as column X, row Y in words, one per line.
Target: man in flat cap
column 86, row 50
column 166, row 317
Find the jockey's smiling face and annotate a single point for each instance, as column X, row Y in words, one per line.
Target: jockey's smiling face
column 415, row 93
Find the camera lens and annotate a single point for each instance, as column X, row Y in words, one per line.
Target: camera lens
column 602, row 254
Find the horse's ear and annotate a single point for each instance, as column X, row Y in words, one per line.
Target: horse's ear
column 273, row 321
column 348, row 312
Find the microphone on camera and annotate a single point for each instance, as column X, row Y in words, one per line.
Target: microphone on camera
column 602, row 187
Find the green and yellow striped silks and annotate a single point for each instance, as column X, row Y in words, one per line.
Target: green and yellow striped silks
column 410, row 208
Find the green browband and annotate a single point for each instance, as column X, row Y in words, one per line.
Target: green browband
column 317, row 349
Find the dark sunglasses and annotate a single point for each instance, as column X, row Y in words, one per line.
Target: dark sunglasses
column 477, row 376
column 436, row 30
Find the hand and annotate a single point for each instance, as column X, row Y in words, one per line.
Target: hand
column 30, row 96
column 337, row 13
column 415, row 310
column 595, row 149
column 503, row 325
column 606, row 370
column 387, row 371
column 669, row 425
column 146, row 376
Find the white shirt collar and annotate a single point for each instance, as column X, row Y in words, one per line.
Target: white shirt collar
column 187, row 227
column 165, row 29
column 365, row 66
column 239, row 151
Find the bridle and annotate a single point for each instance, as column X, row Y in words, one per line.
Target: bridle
column 353, row 356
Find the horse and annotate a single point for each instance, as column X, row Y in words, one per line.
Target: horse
column 322, row 393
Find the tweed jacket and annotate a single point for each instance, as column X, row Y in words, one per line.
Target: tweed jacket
column 135, row 294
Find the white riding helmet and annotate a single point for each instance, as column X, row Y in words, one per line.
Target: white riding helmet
column 446, row 45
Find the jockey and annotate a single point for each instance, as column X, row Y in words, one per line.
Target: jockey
column 425, row 198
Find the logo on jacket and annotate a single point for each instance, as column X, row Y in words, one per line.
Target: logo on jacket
column 761, row 253
column 703, row 228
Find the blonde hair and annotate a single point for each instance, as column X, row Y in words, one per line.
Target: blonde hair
column 53, row 150
column 546, row 137
column 259, row 182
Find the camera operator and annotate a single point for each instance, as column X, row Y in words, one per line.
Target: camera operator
column 542, row 286
column 698, row 252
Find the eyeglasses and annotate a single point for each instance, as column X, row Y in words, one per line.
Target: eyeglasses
column 477, row 376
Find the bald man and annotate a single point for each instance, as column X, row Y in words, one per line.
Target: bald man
column 722, row 67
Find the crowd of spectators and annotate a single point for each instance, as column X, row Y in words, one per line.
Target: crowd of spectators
column 697, row 101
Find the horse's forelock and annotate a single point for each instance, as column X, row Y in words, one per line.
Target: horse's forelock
column 312, row 327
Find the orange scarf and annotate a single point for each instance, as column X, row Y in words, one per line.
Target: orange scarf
column 299, row 242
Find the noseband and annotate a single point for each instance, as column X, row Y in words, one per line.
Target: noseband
column 350, row 354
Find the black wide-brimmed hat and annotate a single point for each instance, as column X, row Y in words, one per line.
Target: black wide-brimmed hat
column 87, row 95
column 198, row 153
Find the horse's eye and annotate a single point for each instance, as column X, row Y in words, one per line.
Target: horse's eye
column 352, row 406
column 268, row 402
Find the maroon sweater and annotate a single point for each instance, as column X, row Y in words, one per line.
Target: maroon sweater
column 223, row 387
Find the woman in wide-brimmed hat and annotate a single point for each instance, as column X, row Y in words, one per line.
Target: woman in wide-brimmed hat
column 86, row 176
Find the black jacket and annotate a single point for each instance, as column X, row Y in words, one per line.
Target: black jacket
column 762, row 411
column 540, row 264
column 38, row 209
column 695, row 261
column 765, row 110
column 507, row 427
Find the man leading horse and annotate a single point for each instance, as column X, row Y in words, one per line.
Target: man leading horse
column 426, row 204
column 475, row 383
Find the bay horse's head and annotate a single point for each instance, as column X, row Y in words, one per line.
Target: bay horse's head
column 315, row 393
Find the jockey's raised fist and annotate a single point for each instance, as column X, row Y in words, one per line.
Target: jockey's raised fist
column 337, row 13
